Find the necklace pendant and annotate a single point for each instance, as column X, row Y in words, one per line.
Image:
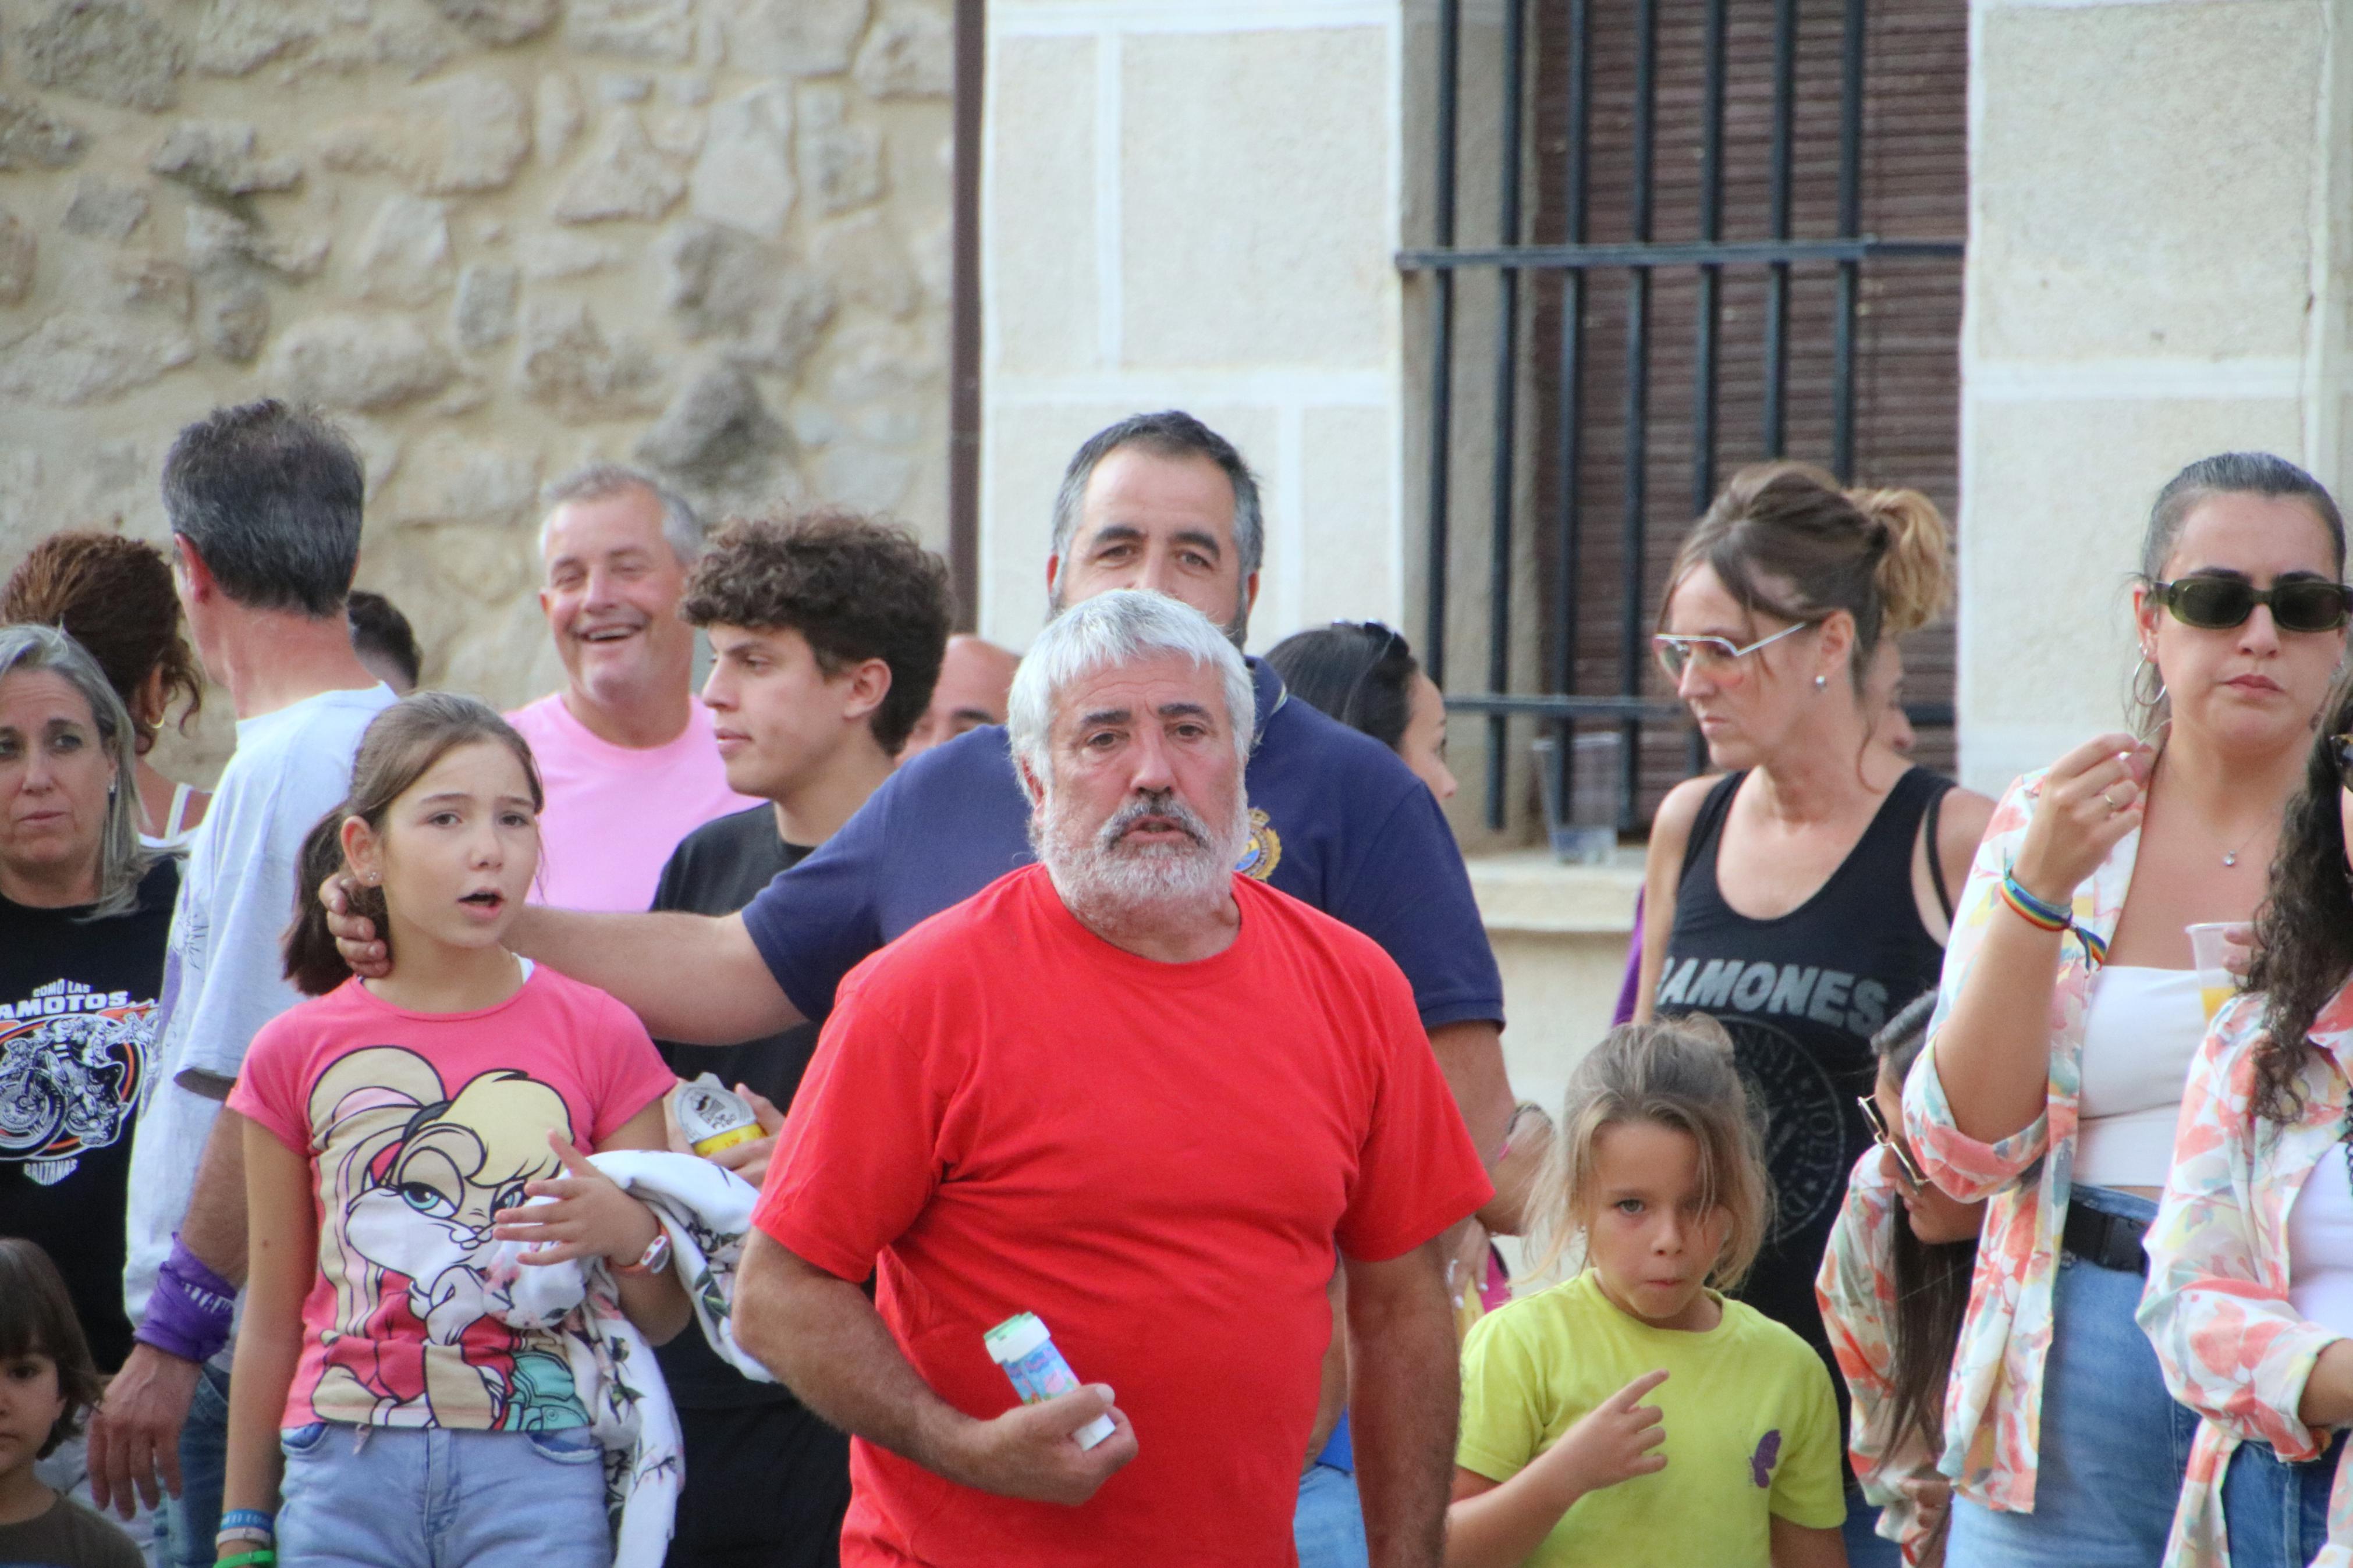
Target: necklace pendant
column 2232, row 859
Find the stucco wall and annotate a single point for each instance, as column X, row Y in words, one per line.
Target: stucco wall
column 1194, row 203
column 495, row 238
column 2158, row 271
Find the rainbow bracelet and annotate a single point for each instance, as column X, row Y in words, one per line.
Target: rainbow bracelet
column 2043, row 916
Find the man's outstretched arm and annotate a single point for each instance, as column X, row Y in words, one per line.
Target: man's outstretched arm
column 696, row 979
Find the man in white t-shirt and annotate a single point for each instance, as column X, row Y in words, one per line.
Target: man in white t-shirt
column 264, row 502
column 628, row 757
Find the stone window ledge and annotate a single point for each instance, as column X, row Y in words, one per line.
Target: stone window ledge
column 1526, row 890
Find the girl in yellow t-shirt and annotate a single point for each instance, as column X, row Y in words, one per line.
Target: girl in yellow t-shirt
column 1634, row 1415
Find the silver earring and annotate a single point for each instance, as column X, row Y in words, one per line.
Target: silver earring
column 1821, row 682
column 2146, row 676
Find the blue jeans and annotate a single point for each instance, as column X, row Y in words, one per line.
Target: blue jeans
column 387, row 1496
column 2277, row 1513
column 2113, row 1443
column 189, row 1521
column 1865, row 1547
column 1329, row 1527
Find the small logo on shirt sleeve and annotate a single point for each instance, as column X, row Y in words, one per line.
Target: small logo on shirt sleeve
column 1767, row 1454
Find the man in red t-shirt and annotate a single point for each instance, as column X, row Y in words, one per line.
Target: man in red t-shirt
column 1146, row 1099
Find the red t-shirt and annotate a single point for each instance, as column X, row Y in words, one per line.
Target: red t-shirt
column 419, row 1128
column 1157, row 1159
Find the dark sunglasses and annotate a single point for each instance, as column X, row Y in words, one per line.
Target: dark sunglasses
column 1884, row 1136
column 2218, row 604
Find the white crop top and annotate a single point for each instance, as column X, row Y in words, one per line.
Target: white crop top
column 2141, row 1030
column 2320, row 1245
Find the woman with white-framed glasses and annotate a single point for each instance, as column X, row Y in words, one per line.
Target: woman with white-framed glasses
column 1801, row 897
column 2071, row 1010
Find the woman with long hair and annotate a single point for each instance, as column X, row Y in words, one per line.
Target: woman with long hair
column 2250, row 1299
column 2070, row 1012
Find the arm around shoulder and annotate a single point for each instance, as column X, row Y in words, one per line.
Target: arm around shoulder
column 696, row 979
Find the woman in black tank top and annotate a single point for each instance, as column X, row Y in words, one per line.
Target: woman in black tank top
column 1801, row 899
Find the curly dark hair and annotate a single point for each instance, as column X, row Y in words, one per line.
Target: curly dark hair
column 114, row 596
column 854, row 588
column 2304, row 931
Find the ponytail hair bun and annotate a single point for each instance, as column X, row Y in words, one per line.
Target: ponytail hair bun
column 1914, row 576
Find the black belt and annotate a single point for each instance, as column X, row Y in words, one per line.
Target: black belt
column 2110, row 1240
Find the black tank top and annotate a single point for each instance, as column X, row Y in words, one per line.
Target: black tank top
column 1801, row 996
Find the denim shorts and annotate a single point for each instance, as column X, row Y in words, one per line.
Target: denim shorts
column 2276, row 1513
column 1328, row 1526
column 394, row 1497
column 2113, row 1443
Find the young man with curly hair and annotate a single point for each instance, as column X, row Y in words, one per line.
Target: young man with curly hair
column 826, row 632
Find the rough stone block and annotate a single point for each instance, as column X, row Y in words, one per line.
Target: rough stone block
column 19, row 258
column 621, row 177
column 233, row 318
column 568, row 363
column 448, row 477
column 793, row 38
column 217, row 157
column 1041, row 218
column 717, row 435
column 215, row 238
column 74, row 359
column 115, row 51
column 641, row 29
column 465, row 132
column 236, row 38
column 675, row 132
column 361, row 362
column 561, row 255
column 488, row 295
column 405, row 254
column 33, row 138
column 1296, row 268
column 557, row 116
column 103, row 209
column 871, row 264
column 744, row 175
column 499, row 22
column 909, row 52
column 152, row 283
column 841, row 163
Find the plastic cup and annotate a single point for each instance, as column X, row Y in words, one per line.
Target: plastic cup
column 2209, row 947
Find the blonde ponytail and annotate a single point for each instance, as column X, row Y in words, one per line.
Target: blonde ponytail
column 1915, row 576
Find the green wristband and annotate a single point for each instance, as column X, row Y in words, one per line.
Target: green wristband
column 264, row 1558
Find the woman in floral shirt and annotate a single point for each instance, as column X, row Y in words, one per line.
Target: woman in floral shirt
column 2249, row 1300
column 2069, row 1015
column 1894, row 1286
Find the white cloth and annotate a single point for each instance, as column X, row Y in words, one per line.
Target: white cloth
column 707, row 1211
column 2141, row 1031
column 177, row 834
column 2320, row 1245
column 223, row 972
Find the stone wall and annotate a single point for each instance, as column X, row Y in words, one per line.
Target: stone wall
column 495, row 238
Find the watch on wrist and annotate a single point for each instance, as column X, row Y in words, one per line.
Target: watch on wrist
column 653, row 1260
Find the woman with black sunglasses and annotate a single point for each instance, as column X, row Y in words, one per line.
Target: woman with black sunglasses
column 2070, row 1012
column 1802, row 897
column 2249, row 1300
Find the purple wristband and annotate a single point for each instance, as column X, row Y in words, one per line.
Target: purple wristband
column 189, row 1310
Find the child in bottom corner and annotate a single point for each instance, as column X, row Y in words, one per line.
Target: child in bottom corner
column 1894, row 1289
column 1635, row 1416
column 47, row 1383
column 408, row 1141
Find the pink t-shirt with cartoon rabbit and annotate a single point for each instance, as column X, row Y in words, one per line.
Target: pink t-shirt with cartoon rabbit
column 421, row 1129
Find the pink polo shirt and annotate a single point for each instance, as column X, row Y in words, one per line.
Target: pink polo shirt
column 615, row 813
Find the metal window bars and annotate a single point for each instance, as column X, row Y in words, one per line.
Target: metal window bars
column 1581, row 265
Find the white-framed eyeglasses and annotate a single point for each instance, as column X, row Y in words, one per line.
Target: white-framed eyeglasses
column 1676, row 652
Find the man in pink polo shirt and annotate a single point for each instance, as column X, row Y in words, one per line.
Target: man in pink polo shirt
column 628, row 756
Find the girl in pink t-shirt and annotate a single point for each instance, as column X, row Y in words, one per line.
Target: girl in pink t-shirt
column 395, row 1129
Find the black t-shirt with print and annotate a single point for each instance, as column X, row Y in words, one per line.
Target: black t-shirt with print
column 77, row 1017
column 716, row 870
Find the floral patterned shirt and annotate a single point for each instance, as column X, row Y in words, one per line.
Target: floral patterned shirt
column 1856, row 1290
column 2232, row 1346
column 1993, row 1406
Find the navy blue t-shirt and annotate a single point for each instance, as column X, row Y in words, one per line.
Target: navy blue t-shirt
column 1337, row 821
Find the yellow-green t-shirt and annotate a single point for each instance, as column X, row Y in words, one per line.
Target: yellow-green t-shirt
column 1752, row 1427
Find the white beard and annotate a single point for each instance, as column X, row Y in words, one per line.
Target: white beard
column 1110, row 884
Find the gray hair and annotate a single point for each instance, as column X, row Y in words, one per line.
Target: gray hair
column 269, row 497
column 1171, row 432
column 122, row 860
column 1105, row 632
column 597, row 481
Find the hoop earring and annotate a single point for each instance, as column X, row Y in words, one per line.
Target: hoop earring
column 2142, row 675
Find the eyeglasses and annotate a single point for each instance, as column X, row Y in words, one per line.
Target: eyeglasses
column 1677, row 652
column 1884, row 1136
column 2218, row 604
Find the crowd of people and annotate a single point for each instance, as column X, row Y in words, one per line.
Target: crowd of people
column 1119, row 1129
